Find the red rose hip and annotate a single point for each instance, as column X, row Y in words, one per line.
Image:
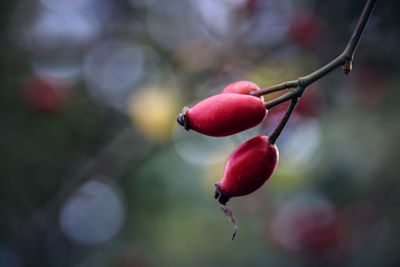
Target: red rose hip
column 242, row 87
column 223, row 114
column 246, row 170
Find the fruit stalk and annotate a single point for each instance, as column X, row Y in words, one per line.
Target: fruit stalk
column 278, row 130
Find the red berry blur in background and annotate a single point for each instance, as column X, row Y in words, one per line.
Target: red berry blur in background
column 306, row 29
column 310, row 226
column 309, row 106
column 45, row 95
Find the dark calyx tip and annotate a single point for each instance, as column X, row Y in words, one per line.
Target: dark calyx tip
column 234, row 233
column 182, row 118
column 220, row 196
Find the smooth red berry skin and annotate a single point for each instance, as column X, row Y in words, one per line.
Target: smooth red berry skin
column 247, row 168
column 223, row 114
column 242, row 87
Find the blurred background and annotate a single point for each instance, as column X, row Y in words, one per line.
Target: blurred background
column 95, row 170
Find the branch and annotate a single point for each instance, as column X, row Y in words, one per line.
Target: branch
column 345, row 58
column 358, row 31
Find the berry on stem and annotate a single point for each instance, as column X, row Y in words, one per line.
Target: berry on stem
column 237, row 109
column 246, row 170
column 223, row 114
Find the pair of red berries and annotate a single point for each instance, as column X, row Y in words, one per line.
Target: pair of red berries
column 230, row 112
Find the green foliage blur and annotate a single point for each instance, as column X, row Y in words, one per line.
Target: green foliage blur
column 95, row 170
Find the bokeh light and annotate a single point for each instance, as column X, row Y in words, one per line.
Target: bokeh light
column 93, row 215
column 297, row 217
column 153, row 111
column 112, row 68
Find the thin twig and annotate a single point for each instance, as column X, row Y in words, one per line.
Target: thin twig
column 275, row 88
column 345, row 59
column 278, row 130
column 281, row 99
column 358, row 31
